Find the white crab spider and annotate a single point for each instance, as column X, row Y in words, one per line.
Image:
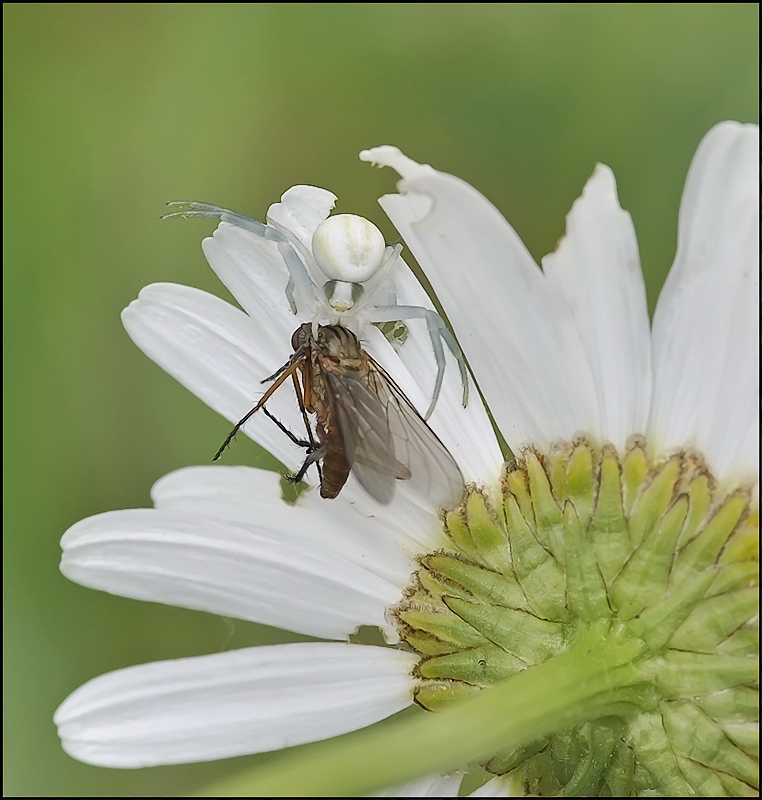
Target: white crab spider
column 342, row 276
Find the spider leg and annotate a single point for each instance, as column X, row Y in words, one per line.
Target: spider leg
column 437, row 333
column 299, row 279
column 193, row 208
column 390, row 255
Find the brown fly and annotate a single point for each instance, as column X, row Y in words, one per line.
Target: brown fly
column 363, row 421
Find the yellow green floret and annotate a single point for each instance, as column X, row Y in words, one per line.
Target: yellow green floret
column 583, row 539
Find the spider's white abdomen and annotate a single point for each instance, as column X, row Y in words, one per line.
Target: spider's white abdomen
column 348, row 248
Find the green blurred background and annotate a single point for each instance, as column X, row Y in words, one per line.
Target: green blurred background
column 112, row 110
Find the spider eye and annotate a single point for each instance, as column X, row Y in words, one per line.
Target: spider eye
column 348, row 248
column 342, row 296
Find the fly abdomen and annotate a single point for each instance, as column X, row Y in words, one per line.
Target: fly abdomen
column 335, row 469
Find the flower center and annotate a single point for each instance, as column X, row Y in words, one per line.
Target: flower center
column 586, row 535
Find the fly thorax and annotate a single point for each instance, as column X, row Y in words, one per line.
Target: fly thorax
column 341, row 345
column 349, row 250
column 648, row 551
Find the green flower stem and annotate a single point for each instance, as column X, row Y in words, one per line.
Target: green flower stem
column 599, row 675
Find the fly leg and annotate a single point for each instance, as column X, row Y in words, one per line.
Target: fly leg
column 314, row 450
column 284, row 373
column 313, row 457
column 310, row 446
column 296, row 357
column 437, row 333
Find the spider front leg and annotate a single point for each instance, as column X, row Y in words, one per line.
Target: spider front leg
column 437, row 332
column 193, row 208
column 299, row 281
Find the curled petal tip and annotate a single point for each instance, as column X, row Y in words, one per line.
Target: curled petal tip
column 389, row 156
column 380, row 156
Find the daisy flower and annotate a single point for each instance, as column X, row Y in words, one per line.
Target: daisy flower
column 583, row 620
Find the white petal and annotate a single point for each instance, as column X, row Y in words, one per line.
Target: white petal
column 430, row 786
column 230, row 704
column 253, row 270
column 706, row 326
column 596, row 270
column 385, row 540
column 521, row 341
column 221, row 540
column 382, row 545
column 467, row 433
column 221, row 355
column 408, row 526
column 301, row 210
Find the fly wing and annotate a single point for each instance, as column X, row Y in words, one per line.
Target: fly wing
column 361, row 419
column 386, row 439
